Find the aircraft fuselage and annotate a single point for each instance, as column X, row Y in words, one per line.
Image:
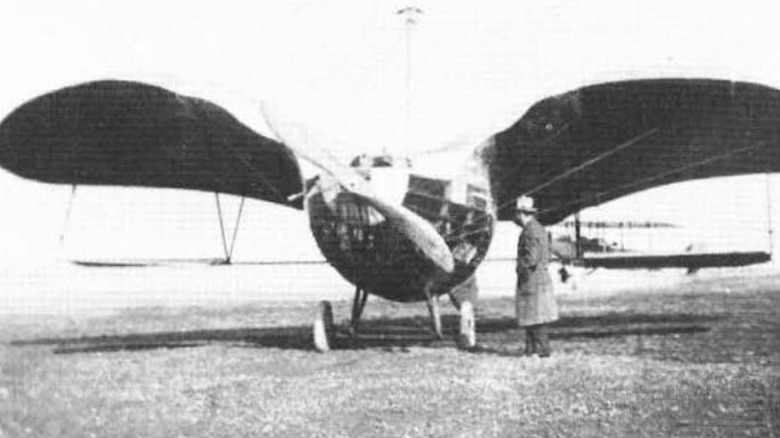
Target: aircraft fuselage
column 368, row 252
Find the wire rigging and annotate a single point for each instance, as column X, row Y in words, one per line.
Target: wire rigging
column 607, row 194
column 618, row 189
column 68, row 211
column 235, row 228
column 229, row 250
column 222, row 228
column 592, row 161
column 769, row 229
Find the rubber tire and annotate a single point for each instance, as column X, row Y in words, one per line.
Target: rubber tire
column 468, row 332
column 323, row 328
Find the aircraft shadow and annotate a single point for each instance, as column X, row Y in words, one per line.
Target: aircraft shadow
column 388, row 334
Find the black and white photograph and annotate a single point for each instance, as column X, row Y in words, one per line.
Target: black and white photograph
column 431, row 218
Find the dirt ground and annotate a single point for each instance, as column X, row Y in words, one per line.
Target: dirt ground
column 697, row 359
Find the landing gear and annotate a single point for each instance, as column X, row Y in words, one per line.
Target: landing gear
column 323, row 327
column 468, row 334
column 433, row 309
column 323, row 330
column 462, row 297
column 358, row 304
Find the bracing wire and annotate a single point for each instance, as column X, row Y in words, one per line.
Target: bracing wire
column 769, row 230
column 592, row 161
column 661, row 175
column 68, row 211
column 618, row 189
column 235, row 229
column 222, row 228
column 229, row 250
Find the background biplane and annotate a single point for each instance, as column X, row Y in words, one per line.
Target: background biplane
column 598, row 252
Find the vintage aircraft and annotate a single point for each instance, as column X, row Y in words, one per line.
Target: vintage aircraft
column 598, row 253
column 426, row 235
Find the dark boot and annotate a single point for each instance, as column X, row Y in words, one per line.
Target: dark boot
column 542, row 341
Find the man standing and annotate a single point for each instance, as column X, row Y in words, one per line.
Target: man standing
column 535, row 302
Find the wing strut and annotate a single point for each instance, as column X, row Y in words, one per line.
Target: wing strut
column 577, row 237
column 66, row 221
column 769, row 230
column 229, row 251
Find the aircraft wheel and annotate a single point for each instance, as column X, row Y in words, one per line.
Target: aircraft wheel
column 323, row 327
column 468, row 331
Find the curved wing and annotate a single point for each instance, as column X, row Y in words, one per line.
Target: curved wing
column 601, row 142
column 133, row 134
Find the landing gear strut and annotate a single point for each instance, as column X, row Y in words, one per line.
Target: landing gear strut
column 358, row 304
column 433, row 309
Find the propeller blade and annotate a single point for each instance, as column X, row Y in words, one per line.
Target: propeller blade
column 421, row 232
column 417, row 229
column 308, row 146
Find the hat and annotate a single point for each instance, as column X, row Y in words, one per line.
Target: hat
column 525, row 204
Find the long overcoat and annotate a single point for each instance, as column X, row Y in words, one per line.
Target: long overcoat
column 535, row 299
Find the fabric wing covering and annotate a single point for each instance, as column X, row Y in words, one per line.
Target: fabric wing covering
column 601, row 142
column 132, row 134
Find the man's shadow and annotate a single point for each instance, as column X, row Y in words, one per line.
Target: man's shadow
column 394, row 334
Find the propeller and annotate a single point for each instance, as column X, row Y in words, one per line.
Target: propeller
column 418, row 230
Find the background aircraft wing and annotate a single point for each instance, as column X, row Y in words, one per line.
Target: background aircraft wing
column 133, row 134
column 601, row 142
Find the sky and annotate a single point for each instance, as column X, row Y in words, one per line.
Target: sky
column 340, row 69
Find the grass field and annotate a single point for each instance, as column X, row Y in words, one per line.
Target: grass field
column 699, row 359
